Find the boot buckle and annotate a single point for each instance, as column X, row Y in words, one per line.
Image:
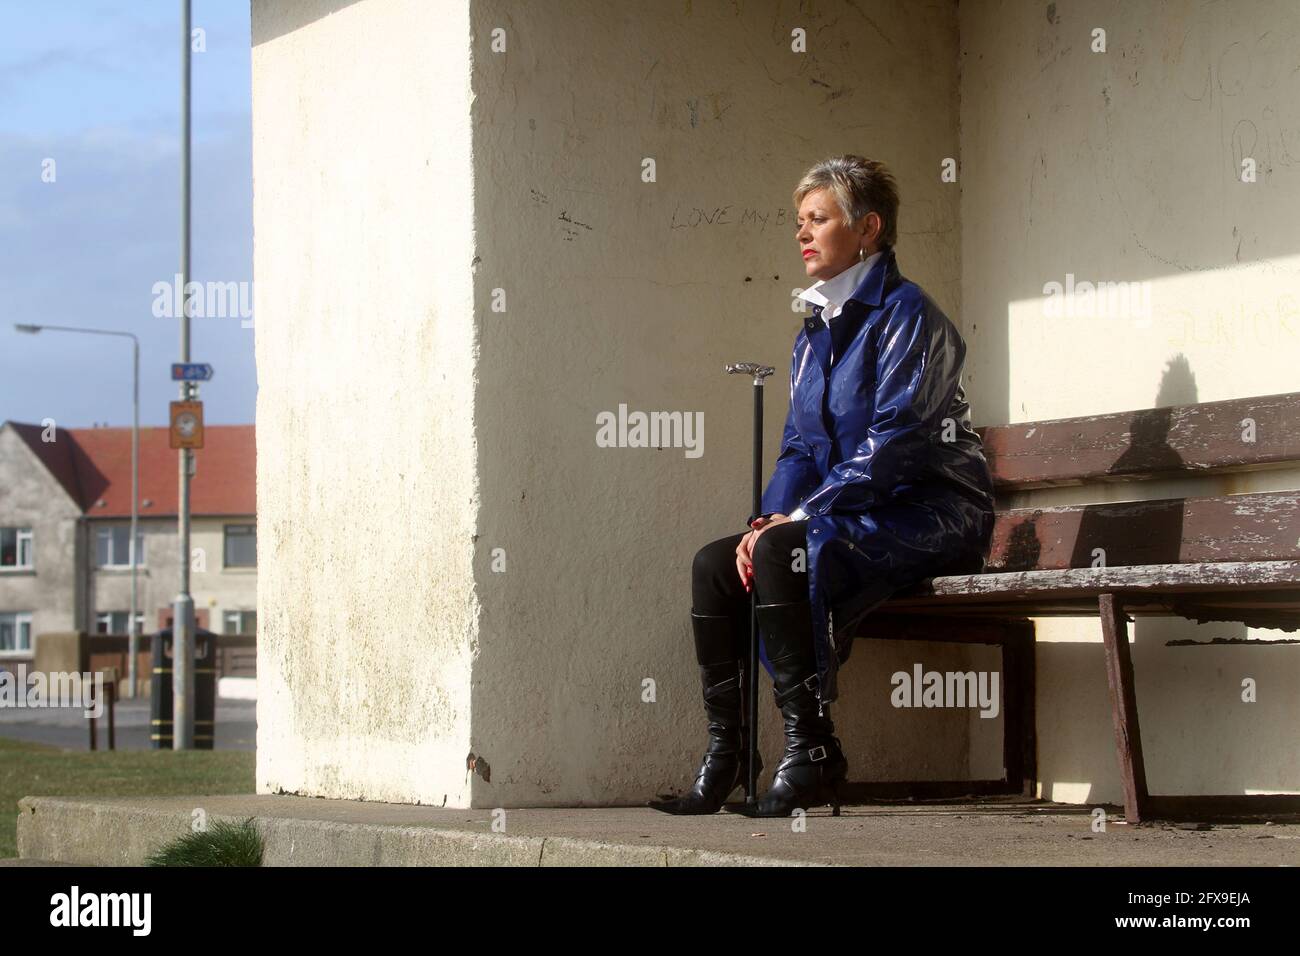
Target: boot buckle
column 809, row 684
column 812, row 754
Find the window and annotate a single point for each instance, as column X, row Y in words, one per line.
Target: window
column 241, row 545
column 111, row 549
column 239, row 622
column 114, row 622
column 15, row 547
column 15, row 633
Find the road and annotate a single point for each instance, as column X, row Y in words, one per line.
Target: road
column 236, row 725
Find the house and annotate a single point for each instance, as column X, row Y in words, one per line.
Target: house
column 65, row 528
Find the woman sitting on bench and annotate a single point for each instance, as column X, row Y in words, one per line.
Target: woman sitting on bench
column 880, row 483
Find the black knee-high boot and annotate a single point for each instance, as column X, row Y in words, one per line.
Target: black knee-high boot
column 813, row 767
column 726, row 763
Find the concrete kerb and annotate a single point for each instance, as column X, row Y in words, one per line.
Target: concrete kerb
column 95, row 833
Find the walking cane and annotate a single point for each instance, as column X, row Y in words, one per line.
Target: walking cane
column 759, row 372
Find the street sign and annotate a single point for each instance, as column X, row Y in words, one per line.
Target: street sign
column 186, row 424
column 191, row 372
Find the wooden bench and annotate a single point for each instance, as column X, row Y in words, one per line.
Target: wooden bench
column 1231, row 557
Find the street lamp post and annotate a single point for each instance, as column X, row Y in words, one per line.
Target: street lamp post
column 133, row 627
column 183, row 630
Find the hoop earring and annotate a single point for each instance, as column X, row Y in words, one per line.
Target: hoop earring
column 862, row 254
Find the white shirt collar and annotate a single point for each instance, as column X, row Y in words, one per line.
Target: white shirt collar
column 832, row 293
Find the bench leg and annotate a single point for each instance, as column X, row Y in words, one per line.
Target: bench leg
column 1123, row 706
column 1019, row 743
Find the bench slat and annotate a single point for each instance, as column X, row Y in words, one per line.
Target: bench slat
column 1083, row 582
column 1231, row 528
column 1218, row 606
column 1256, row 593
column 1205, row 438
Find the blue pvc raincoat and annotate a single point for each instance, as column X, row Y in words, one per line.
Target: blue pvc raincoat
column 879, row 452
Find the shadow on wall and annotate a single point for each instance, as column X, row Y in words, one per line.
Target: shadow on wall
column 275, row 18
column 1148, row 447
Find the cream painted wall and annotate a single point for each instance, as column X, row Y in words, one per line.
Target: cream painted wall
column 1124, row 166
column 365, row 341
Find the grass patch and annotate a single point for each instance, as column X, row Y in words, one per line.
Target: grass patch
column 40, row 770
column 222, row 844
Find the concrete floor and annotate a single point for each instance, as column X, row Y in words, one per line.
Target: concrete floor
column 311, row 831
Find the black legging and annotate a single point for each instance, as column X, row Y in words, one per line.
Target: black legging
column 716, row 587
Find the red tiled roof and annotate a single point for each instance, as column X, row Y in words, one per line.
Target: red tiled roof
column 94, row 464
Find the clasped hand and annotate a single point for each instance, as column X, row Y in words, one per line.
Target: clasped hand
column 745, row 550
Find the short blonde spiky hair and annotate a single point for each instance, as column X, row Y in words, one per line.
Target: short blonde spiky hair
column 860, row 186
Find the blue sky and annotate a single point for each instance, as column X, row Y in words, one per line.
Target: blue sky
column 95, row 86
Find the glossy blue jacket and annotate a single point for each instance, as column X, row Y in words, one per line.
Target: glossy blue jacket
column 879, row 452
